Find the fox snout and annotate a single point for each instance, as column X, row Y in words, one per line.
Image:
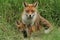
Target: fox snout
column 30, row 16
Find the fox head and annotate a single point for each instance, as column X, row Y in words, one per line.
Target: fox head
column 30, row 9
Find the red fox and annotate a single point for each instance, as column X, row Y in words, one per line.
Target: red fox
column 31, row 18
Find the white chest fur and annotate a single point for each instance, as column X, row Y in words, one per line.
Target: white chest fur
column 27, row 21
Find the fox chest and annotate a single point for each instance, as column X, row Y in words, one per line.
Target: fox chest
column 27, row 21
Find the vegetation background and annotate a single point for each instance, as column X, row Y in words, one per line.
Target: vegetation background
column 10, row 12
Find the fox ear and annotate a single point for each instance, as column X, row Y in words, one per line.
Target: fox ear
column 35, row 4
column 25, row 4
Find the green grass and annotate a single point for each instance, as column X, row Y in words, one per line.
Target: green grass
column 8, row 32
column 10, row 11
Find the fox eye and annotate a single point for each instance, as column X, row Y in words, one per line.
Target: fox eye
column 27, row 11
column 32, row 11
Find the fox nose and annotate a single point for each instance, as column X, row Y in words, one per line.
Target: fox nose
column 29, row 15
